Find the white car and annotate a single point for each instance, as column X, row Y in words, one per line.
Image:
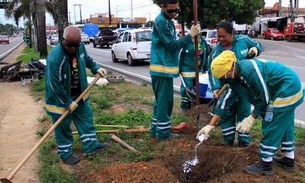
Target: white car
column 85, row 38
column 210, row 36
column 132, row 45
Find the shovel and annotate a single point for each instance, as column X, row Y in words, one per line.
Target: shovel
column 33, row 150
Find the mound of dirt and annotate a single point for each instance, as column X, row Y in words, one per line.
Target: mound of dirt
column 215, row 164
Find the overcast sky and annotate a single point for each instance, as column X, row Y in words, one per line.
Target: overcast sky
column 121, row 8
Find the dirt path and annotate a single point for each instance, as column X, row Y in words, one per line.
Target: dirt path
column 18, row 127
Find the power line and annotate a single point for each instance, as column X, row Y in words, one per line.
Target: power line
column 136, row 7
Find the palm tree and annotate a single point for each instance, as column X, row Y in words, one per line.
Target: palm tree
column 19, row 9
column 59, row 11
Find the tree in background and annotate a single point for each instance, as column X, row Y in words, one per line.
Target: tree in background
column 59, row 11
column 211, row 12
column 19, row 9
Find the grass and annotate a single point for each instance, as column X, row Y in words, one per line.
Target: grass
column 29, row 53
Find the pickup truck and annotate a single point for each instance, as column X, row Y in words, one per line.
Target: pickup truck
column 294, row 30
column 104, row 37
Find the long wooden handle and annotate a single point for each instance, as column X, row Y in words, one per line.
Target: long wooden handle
column 117, row 131
column 223, row 88
column 117, row 139
column 27, row 157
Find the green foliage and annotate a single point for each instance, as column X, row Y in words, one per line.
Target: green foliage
column 51, row 171
column 211, row 12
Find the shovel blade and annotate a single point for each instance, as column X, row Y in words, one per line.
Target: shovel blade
column 5, row 180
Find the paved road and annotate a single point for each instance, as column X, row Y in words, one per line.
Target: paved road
column 6, row 48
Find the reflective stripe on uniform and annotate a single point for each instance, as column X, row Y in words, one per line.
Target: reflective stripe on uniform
column 164, row 69
column 287, row 101
column 55, row 109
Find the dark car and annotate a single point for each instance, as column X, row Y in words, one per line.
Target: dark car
column 4, row 39
column 104, row 37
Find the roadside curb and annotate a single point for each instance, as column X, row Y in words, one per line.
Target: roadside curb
column 5, row 54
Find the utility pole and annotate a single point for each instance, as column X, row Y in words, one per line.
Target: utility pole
column 74, row 14
column 109, row 11
column 291, row 11
column 80, row 13
column 131, row 10
column 69, row 17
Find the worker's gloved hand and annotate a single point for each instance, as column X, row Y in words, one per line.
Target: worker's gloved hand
column 215, row 93
column 205, row 130
column 102, row 72
column 195, row 30
column 245, row 125
column 72, row 106
column 252, row 52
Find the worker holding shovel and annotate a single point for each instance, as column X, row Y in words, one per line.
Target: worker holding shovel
column 187, row 69
column 275, row 91
column 231, row 110
column 164, row 67
column 66, row 79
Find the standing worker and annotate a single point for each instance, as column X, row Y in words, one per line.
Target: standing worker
column 164, row 67
column 66, row 79
column 187, row 69
column 230, row 110
column 275, row 91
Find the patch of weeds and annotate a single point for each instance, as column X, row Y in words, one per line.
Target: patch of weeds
column 38, row 88
column 147, row 101
column 300, row 136
column 44, row 118
column 51, row 171
column 130, row 118
column 177, row 118
column 41, row 131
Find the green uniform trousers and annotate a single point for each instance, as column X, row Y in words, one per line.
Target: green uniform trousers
column 163, row 105
column 83, row 120
column 186, row 101
column 278, row 132
column 237, row 112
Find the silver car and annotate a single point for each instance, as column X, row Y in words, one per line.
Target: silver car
column 210, row 35
column 54, row 40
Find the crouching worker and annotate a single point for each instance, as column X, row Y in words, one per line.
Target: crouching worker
column 223, row 112
column 66, row 79
column 275, row 91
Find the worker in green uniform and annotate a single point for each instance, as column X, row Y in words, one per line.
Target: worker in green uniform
column 164, row 67
column 66, row 79
column 229, row 111
column 275, row 91
column 187, row 69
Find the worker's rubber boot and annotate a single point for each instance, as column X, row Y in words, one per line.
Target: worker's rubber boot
column 227, row 143
column 99, row 148
column 71, row 160
column 260, row 168
column 170, row 137
column 286, row 163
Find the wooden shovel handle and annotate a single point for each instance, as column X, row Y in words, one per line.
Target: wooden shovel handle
column 27, row 157
column 117, row 139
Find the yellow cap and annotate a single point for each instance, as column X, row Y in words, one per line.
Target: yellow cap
column 223, row 63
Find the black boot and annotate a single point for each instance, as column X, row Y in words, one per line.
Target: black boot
column 261, row 168
column 227, row 143
column 286, row 163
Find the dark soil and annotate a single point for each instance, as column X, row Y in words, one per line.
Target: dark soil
column 216, row 164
